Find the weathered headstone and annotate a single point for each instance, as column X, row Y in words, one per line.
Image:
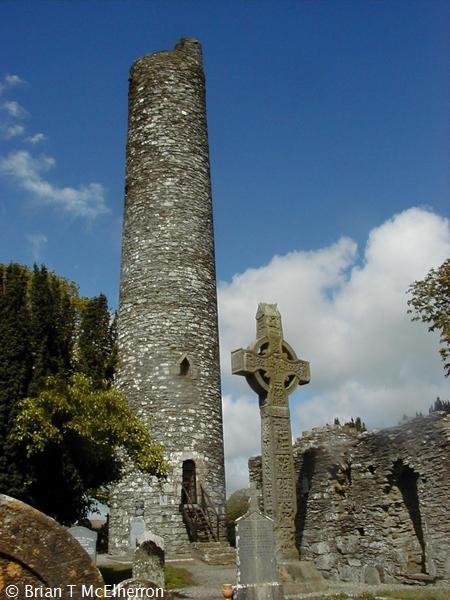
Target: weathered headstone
column 86, row 538
column 148, row 562
column 152, row 537
column 273, row 371
column 37, row 551
column 137, row 532
column 257, row 567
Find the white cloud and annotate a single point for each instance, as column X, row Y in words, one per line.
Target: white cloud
column 37, row 241
column 14, row 109
column 13, row 131
column 37, row 138
column 86, row 201
column 11, row 110
column 237, row 473
column 241, row 437
column 10, row 81
column 347, row 315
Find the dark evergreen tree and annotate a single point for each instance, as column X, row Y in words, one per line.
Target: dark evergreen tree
column 15, row 370
column 65, row 321
column 43, row 330
column 53, row 322
column 112, row 360
column 37, row 320
column 53, row 451
column 96, row 343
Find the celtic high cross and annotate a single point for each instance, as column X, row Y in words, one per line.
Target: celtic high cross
column 273, row 371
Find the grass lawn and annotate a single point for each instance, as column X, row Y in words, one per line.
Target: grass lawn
column 176, row 577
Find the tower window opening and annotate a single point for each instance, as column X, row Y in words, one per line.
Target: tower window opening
column 185, row 367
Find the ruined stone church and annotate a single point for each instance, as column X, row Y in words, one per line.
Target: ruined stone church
column 373, row 507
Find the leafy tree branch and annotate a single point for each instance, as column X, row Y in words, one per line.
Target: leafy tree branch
column 430, row 303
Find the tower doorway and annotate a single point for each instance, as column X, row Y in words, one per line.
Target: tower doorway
column 189, row 483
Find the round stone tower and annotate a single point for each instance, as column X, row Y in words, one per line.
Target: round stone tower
column 168, row 337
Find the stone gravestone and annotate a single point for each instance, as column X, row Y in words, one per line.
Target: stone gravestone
column 137, row 532
column 37, row 551
column 87, row 540
column 148, row 562
column 256, row 562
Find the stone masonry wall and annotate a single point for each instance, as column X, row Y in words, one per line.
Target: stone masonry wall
column 374, row 506
column 168, row 338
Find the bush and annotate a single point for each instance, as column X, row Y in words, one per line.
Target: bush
column 237, row 505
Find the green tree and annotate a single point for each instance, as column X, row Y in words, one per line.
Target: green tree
column 66, row 306
column 71, row 434
column 15, row 368
column 112, row 359
column 237, row 505
column 52, row 326
column 430, row 303
column 96, row 343
column 59, row 428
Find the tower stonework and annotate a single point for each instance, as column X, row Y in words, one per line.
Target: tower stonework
column 168, row 336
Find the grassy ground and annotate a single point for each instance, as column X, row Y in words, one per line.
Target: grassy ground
column 179, row 577
column 176, row 577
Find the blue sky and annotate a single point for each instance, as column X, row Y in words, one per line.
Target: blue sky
column 328, row 123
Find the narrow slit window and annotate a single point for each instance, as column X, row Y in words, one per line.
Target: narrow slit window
column 185, row 367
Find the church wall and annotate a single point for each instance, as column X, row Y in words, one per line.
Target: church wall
column 374, row 506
